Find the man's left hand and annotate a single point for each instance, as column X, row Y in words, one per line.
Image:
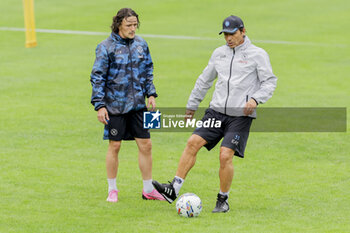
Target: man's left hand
column 249, row 107
column 151, row 103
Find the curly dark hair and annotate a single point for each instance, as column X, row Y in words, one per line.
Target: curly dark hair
column 122, row 14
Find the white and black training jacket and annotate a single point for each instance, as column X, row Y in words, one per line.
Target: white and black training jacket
column 243, row 73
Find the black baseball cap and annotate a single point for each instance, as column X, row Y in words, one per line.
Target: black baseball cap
column 231, row 24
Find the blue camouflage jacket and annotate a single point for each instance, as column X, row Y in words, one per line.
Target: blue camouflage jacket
column 122, row 75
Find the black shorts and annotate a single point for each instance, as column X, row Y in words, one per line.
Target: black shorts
column 126, row 127
column 234, row 130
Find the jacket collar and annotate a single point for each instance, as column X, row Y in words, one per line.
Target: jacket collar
column 117, row 38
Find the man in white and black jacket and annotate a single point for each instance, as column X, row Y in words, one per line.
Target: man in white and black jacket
column 245, row 79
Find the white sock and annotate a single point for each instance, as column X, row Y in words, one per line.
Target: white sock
column 112, row 184
column 178, row 184
column 147, row 186
column 225, row 194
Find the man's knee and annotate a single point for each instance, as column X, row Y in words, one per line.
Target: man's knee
column 145, row 146
column 195, row 142
column 226, row 156
column 114, row 146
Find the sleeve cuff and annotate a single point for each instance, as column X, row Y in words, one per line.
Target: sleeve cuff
column 97, row 107
column 255, row 100
column 154, row 95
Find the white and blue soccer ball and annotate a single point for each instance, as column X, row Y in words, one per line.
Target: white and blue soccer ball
column 189, row 205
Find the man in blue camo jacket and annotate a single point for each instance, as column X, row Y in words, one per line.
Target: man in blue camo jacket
column 121, row 78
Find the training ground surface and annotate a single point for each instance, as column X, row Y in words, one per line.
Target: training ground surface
column 52, row 170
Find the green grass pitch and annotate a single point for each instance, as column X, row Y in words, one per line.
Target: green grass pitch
column 52, row 157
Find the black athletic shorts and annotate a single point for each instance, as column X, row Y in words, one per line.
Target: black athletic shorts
column 126, row 127
column 234, row 130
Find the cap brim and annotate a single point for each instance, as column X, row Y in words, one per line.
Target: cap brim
column 228, row 31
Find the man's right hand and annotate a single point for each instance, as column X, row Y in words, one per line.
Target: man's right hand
column 102, row 115
column 189, row 114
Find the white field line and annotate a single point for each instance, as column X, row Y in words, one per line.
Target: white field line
column 173, row 37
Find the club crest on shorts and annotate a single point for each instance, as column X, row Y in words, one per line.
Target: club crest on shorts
column 114, row 132
column 235, row 140
column 151, row 120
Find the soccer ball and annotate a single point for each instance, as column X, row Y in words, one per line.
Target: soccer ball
column 189, row 205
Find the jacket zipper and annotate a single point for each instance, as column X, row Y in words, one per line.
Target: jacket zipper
column 132, row 74
column 228, row 81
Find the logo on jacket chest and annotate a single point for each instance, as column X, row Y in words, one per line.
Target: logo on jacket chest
column 120, row 51
column 243, row 59
column 140, row 51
